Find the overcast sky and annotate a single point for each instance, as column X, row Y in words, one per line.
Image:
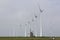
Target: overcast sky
column 14, row 14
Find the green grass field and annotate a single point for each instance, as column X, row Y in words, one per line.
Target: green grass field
column 28, row 38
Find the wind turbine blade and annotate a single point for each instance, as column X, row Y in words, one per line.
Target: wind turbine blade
column 40, row 9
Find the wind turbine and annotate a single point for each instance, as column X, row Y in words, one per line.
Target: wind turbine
column 28, row 23
column 40, row 11
column 25, row 32
column 40, row 20
column 25, row 29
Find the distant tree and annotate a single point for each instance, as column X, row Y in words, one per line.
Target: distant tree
column 31, row 34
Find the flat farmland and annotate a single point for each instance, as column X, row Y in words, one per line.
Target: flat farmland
column 29, row 38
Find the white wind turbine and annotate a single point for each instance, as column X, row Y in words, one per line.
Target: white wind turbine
column 25, row 30
column 40, row 20
column 40, row 11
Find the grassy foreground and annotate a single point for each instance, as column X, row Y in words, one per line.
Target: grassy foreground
column 28, row 38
